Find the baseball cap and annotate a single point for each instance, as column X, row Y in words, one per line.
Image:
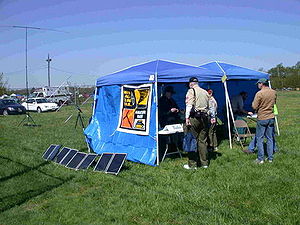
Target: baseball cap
column 169, row 89
column 262, row 80
column 193, row 79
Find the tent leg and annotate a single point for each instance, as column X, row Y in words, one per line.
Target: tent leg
column 228, row 119
column 156, row 114
column 277, row 127
column 276, row 121
column 231, row 112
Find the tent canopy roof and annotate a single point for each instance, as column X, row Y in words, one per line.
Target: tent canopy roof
column 234, row 72
column 172, row 72
column 167, row 72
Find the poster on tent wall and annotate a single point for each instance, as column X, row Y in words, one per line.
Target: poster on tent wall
column 135, row 109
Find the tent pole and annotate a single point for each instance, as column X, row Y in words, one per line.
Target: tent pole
column 227, row 112
column 156, row 114
column 230, row 109
column 224, row 78
column 95, row 96
column 231, row 113
column 276, row 121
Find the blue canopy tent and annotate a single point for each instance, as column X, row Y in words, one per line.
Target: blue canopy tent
column 103, row 135
column 235, row 79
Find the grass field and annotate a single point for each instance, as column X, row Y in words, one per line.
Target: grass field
column 232, row 191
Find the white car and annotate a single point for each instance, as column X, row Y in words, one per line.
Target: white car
column 39, row 105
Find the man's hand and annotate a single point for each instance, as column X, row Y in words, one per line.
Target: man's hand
column 213, row 120
column 174, row 110
column 188, row 122
column 250, row 113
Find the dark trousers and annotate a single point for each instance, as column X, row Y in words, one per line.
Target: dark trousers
column 212, row 135
column 199, row 130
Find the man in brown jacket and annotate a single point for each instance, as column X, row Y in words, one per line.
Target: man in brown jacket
column 263, row 104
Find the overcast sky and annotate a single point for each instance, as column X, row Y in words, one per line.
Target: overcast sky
column 105, row 36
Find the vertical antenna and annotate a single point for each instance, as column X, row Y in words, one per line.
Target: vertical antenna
column 48, row 61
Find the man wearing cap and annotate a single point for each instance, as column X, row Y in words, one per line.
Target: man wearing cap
column 263, row 104
column 197, row 107
column 168, row 108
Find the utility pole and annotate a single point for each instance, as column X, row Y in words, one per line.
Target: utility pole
column 48, row 61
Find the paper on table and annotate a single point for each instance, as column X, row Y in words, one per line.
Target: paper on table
column 172, row 129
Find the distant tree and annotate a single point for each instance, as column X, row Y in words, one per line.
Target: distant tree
column 297, row 66
column 32, row 90
column 3, row 84
column 282, row 76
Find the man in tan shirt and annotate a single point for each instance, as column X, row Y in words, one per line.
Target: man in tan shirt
column 263, row 104
column 197, row 107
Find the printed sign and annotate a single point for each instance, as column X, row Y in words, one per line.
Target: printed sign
column 135, row 109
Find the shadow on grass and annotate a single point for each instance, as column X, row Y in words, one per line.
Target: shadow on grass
column 26, row 170
column 17, row 199
column 10, row 201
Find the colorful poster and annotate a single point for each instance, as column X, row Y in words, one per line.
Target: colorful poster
column 135, row 109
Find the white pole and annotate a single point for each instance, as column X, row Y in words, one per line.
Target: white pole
column 156, row 114
column 228, row 119
column 230, row 108
column 227, row 103
column 95, row 97
column 276, row 121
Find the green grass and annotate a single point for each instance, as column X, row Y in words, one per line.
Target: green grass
column 232, row 191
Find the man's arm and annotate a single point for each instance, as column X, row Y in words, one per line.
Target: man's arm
column 189, row 101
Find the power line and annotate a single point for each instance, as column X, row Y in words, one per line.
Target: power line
column 73, row 73
column 22, row 70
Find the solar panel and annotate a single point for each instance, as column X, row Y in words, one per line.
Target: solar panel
column 103, row 162
column 54, row 152
column 87, row 161
column 68, row 157
column 48, row 151
column 76, row 160
column 116, row 163
column 62, row 154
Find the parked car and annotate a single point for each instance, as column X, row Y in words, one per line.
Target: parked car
column 9, row 107
column 39, row 105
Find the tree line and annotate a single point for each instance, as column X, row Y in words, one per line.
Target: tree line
column 285, row 76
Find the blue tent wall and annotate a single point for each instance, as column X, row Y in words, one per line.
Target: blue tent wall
column 102, row 136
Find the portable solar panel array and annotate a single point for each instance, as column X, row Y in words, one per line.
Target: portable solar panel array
column 71, row 158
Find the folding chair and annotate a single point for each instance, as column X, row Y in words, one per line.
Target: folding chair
column 241, row 137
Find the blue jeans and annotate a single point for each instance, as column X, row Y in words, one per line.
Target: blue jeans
column 265, row 129
column 253, row 143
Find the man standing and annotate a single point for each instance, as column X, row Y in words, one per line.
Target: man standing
column 263, row 104
column 197, row 106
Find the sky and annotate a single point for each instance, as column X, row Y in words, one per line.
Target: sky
column 101, row 37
